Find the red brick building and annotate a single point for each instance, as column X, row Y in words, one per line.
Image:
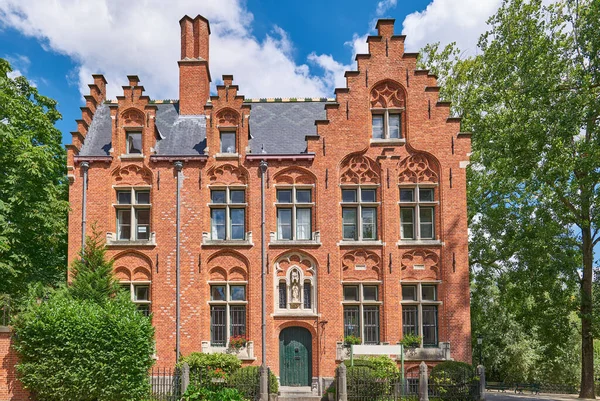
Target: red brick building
column 365, row 211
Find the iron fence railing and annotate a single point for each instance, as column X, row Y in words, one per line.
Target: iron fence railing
column 165, row 384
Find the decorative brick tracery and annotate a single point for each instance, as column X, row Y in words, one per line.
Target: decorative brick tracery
column 424, row 257
column 361, row 257
column 387, row 94
column 359, row 169
column 227, row 118
column 228, row 266
column 227, row 174
column 132, row 175
column 417, row 168
column 132, row 118
column 294, row 176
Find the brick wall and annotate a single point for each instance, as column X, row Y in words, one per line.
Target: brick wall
column 343, row 153
column 10, row 387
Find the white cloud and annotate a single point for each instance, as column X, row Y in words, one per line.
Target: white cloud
column 445, row 21
column 118, row 38
column 383, row 6
column 13, row 74
column 18, row 62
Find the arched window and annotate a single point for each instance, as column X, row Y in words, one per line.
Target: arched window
column 387, row 107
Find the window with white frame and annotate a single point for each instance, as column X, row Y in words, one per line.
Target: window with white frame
column 420, row 312
column 133, row 214
column 228, row 213
column 134, row 142
column 227, row 312
column 359, row 213
column 228, row 141
column 417, row 212
column 139, row 293
column 294, row 213
column 387, row 123
column 361, row 312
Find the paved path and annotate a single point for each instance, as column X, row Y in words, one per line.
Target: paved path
column 511, row 396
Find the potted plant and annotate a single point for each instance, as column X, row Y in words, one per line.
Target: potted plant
column 237, row 342
column 330, row 392
column 411, row 341
column 352, row 340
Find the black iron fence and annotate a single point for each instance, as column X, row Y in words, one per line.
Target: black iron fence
column 165, row 384
column 364, row 383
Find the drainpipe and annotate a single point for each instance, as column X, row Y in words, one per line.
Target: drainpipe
column 264, row 391
column 178, row 166
column 84, row 167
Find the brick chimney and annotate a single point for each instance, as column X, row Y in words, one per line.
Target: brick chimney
column 194, row 75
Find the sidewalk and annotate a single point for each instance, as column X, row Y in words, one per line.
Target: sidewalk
column 511, row 396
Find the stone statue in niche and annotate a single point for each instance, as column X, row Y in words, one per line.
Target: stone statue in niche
column 295, row 289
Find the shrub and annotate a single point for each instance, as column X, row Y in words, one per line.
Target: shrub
column 247, row 379
column 87, row 341
column 352, row 340
column 411, row 341
column 456, row 372
column 194, row 393
column 371, row 376
column 207, row 362
column 74, row 349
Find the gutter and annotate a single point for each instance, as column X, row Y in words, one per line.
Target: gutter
column 279, row 157
column 178, row 165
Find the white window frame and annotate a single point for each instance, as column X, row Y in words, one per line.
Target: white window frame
column 294, row 206
column 228, row 206
column 386, row 121
column 419, row 303
column 132, row 208
column 132, row 285
column 136, row 132
column 416, row 206
column 358, row 206
column 235, row 140
column 361, row 303
column 227, row 303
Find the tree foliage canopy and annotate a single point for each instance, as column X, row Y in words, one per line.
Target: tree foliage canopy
column 33, row 191
column 531, row 97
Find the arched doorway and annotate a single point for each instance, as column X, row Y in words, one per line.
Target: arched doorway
column 295, row 357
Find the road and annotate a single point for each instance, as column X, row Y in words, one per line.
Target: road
column 511, row 396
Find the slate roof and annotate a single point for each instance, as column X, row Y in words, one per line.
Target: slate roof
column 275, row 128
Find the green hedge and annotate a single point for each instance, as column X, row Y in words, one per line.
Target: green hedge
column 73, row 349
column 248, row 378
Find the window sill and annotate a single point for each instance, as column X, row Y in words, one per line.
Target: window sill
column 441, row 352
column 112, row 241
column 240, row 243
column 279, row 243
column 388, row 142
column 227, row 156
column 419, row 242
column 364, row 243
column 308, row 314
column 136, row 156
column 5, row 329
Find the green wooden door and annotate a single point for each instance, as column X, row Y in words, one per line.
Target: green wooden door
column 295, row 357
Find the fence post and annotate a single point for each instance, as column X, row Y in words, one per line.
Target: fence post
column 423, row 385
column 264, row 383
column 185, row 377
column 481, row 373
column 342, row 390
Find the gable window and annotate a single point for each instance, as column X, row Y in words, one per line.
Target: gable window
column 133, row 214
column 361, row 312
column 227, row 312
column 228, row 214
column 359, row 214
column 294, row 214
column 139, row 293
column 134, row 142
column 228, row 143
column 386, row 123
column 417, row 212
column 420, row 312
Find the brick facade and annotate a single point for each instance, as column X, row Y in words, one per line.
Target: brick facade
column 10, row 388
column 342, row 154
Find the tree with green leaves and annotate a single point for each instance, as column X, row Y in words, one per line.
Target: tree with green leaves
column 531, row 97
column 86, row 341
column 33, row 187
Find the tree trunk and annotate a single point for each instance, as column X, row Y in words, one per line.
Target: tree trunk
column 587, row 340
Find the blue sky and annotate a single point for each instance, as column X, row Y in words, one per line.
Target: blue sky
column 273, row 48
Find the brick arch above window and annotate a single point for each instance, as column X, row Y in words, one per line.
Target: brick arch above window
column 418, row 168
column 132, row 118
column 227, row 174
column 133, row 265
column 295, row 176
column 420, row 264
column 227, row 118
column 132, row 175
column 288, row 259
column 356, row 168
column 387, row 94
column 232, row 264
column 361, row 264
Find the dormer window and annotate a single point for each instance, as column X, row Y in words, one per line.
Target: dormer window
column 386, row 124
column 134, row 142
column 228, row 142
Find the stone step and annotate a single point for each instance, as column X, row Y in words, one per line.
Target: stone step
column 299, row 397
column 297, row 394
